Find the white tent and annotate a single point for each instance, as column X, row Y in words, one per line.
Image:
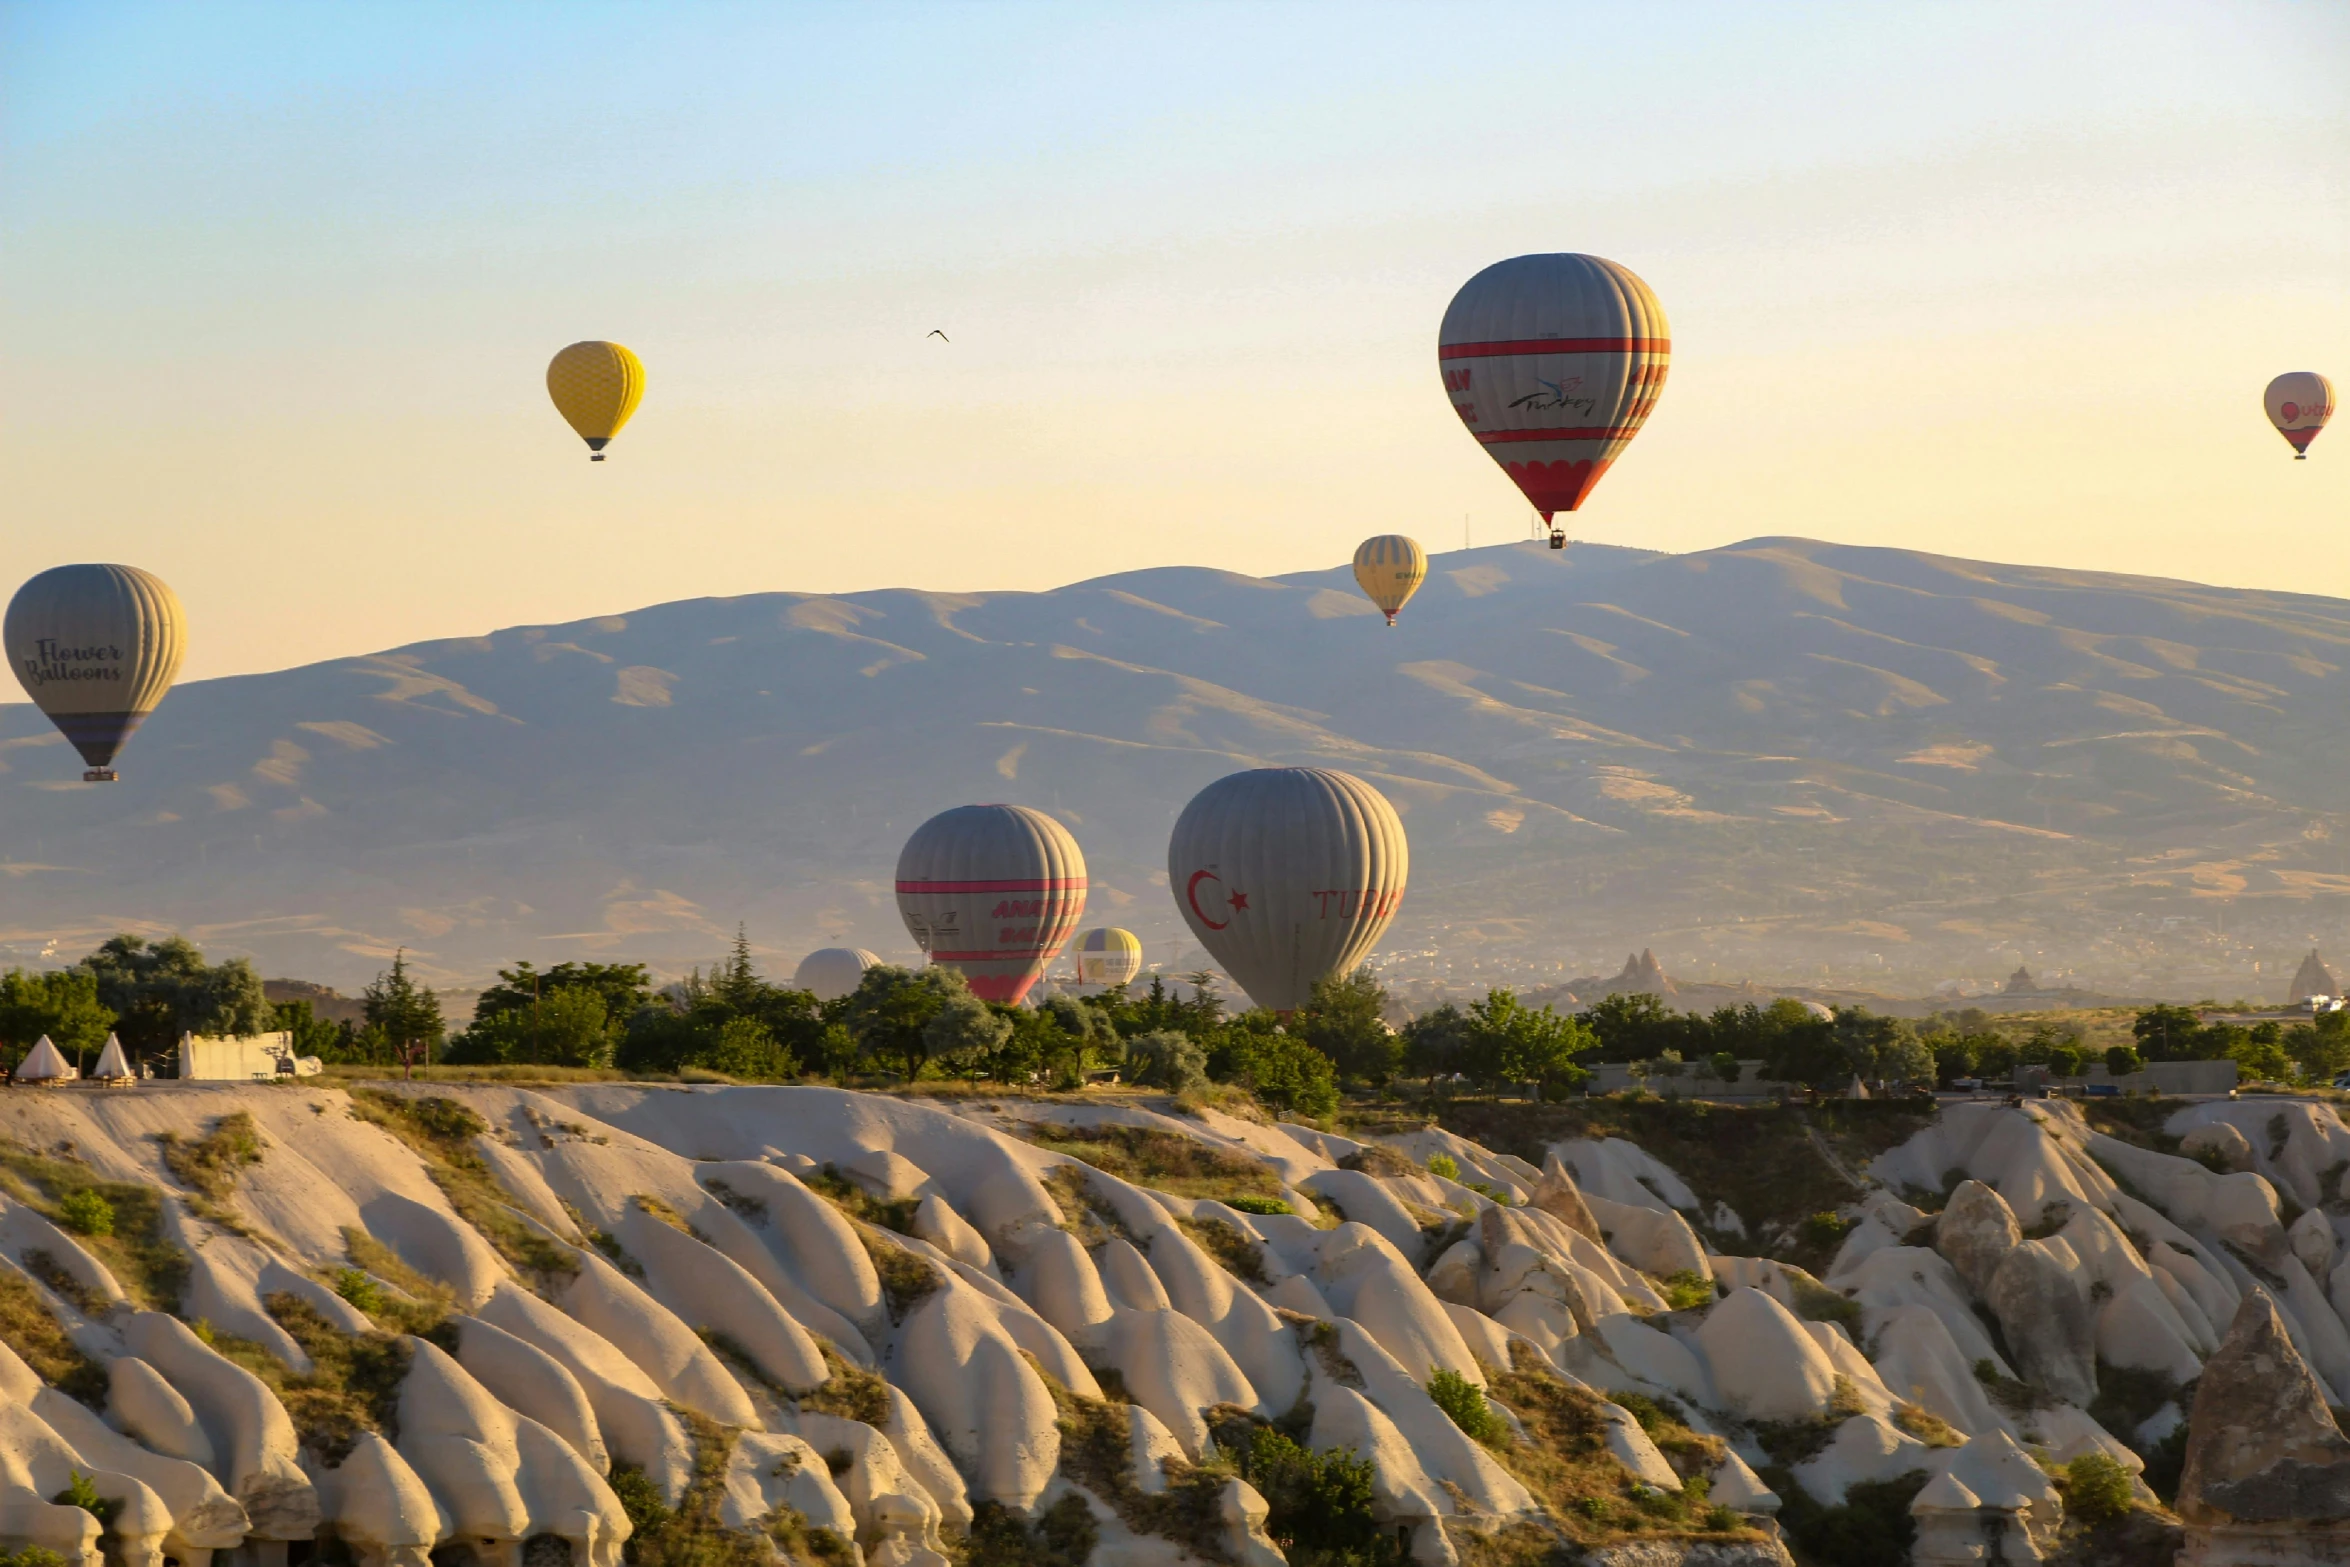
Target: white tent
column 112, row 1063
column 46, row 1064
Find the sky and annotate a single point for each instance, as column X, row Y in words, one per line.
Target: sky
column 278, row 284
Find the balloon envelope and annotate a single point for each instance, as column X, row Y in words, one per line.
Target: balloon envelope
column 1553, row 362
column 96, row 648
column 2299, row 403
column 992, row 890
column 1389, row 569
column 1107, row 955
column 833, row 972
column 596, row 386
column 1287, row 875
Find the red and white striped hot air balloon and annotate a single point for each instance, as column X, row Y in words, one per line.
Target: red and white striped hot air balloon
column 1553, row 362
column 2299, row 403
column 992, row 890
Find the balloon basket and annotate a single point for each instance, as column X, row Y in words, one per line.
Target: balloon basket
column 595, row 457
column 101, row 775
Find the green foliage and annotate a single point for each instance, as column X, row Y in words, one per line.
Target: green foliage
column 2320, row 1049
column 2096, row 1488
column 2122, row 1060
column 1444, row 1166
column 890, row 1013
column 1318, row 1504
column 211, row 1165
column 158, row 992
column 404, row 1015
column 1344, row 1018
column 1872, row 1527
column 1465, row 1402
column 355, row 1286
column 31, row 1556
column 82, row 1492
column 86, row 1212
column 1825, row 1229
column 1166, row 1058
column 1686, row 1290
column 621, row 987
column 314, row 1035
column 62, row 1004
column 1284, row 1072
column 639, row 1498
column 572, row 1026
column 1064, row 1536
column 1724, row 1066
column 734, row 1022
column 1258, row 1205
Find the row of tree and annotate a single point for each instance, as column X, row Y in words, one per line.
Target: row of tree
column 914, row 1023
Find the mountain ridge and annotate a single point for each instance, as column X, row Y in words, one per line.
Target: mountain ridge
column 1758, row 759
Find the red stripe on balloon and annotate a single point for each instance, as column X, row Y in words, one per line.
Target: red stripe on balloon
column 1000, row 954
column 1070, row 884
column 1556, row 345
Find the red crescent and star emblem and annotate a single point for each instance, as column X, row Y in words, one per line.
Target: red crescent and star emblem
column 1235, row 901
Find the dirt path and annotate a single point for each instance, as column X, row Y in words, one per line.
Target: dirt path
column 1828, row 1155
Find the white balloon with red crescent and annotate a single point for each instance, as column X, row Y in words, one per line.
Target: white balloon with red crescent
column 1553, row 362
column 994, row 891
column 1287, row 875
column 2299, row 403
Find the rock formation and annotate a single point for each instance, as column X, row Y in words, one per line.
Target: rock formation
column 2312, row 978
column 2267, row 1478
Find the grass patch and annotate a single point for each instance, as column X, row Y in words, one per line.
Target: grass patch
column 1589, row 1497
column 1085, row 1213
column 210, row 1165
column 40, row 1340
column 353, row 1384
column 1871, row 1528
column 1240, row 1254
column 1096, row 1452
column 1169, row 1161
column 1816, row 1302
column 1685, row 1290
column 1464, row 1401
column 46, row 1268
column 87, row 1212
column 888, row 1213
column 850, row 1392
column 2016, row 1397
column 441, row 1131
column 1273, row 1205
column 150, row 1269
column 1790, row 1442
column 690, row 1535
column 1064, row 1536
column 1927, row 1426
column 1668, row 1427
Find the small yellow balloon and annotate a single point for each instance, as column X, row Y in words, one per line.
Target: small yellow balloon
column 1390, row 569
column 596, row 386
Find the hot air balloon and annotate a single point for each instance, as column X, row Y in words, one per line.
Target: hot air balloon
column 1553, row 363
column 96, row 648
column 1389, row 569
column 832, row 972
column 992, row 890
column 596, row 386
column 1287, row 875
column 2299, row 403
column 1107, row 955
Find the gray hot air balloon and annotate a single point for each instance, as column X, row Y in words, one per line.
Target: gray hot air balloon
column 1286, row 875
column 832, row 972
column 992, row 890
column 95, row 647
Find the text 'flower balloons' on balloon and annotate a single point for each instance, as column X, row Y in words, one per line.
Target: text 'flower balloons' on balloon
column 992, row 890
column 1287, row 875
column 1553, row 362
column 96, row 648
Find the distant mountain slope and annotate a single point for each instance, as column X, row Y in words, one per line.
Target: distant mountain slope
column 1764, row 758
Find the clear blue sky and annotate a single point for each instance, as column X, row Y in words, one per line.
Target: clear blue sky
column 278, row 284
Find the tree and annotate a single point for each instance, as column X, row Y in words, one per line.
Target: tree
column 743, row 1047
column 962, row 1034
column 568, row 1027
column 313, row 1035
column 1166, row 1058
column 623, row 987
column 1436, row 1044
column 404, row 1014
column 61, row 1003
column 2121, row 1060
column 1282, row 1071
column 2168, row 1033
column 1511, row 1042
column 2320, row 1049
column 1345, row 1018
column 1075, row 1033
column 892, row 1007
column 158, row 992
column 1636, row 1027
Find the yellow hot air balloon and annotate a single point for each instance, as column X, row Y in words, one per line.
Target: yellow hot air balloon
column 96, row 648
column 1390, row 569
column 596, row 386
column 1107, row 955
